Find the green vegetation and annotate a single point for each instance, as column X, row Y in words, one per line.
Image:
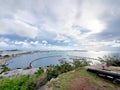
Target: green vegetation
column 19, row 83
column 65, row 67
column 24, row 82
column 4, row 68
column 80, row 63
column 39, row 72
column 57, row 70
column 111, row 60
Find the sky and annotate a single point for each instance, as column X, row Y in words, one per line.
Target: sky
column 60, row 25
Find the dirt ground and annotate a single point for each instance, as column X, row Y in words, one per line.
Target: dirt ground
column 85, row 84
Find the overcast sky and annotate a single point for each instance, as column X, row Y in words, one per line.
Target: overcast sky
column 60, row 24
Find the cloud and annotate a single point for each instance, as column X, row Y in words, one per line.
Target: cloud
column 3, row 44
column 18, row 27
column 90, row 13
column 70, row 24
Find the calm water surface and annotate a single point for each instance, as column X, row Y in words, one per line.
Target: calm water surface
column 52, row 57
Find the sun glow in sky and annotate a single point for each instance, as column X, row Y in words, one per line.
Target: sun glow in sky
column 60, row 24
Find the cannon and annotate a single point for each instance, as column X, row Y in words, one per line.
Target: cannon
column 107, row 74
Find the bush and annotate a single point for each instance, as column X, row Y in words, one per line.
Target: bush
column 19, row 83
column 110, row 60
column 5, row 68
column 80, row 63
column 59, row 69
column 39, row 72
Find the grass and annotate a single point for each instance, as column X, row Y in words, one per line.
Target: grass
column 63, row 80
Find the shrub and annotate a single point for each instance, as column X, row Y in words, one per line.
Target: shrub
column 80, row 63
column 4, row 68
column 19, row 83
column 59, row 69
column 39, row 72
column 111, row 60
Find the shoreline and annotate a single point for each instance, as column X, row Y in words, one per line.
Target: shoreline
column 4, row 59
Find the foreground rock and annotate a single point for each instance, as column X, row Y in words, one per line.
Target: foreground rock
column 18, row 72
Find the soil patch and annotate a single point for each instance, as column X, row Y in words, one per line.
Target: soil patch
column 84, row 84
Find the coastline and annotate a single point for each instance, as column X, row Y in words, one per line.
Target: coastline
column 4, row 59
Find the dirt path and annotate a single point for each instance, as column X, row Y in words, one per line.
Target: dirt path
column 85, row 84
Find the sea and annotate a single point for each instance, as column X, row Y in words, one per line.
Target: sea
column 46, row 58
